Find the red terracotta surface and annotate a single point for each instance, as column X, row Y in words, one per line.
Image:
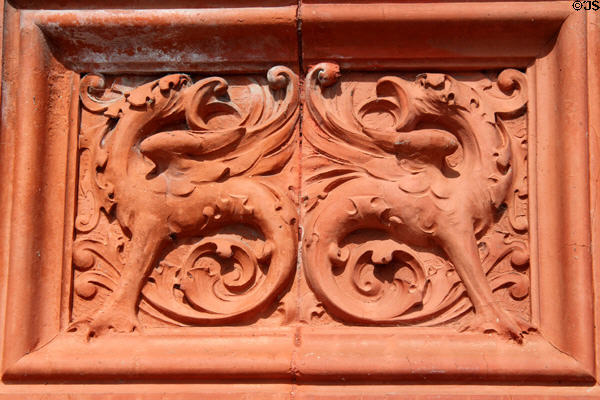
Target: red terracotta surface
column 312, row 200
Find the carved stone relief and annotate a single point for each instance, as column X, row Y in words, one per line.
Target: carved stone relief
column 415, row 199
column 186, row 201
column 413, row 196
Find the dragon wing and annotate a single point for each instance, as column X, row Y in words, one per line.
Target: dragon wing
column 260, row 142
column 377, row 137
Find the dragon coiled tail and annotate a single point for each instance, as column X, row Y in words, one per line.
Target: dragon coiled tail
column 360, row 259
column 223, row 278
column 374, row 281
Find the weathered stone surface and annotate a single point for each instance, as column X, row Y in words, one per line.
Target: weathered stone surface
column 305, row 200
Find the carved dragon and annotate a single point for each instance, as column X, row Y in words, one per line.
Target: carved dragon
column 435, row 174
column 165, row 172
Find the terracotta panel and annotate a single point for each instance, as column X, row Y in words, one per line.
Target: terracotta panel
column 298, row 200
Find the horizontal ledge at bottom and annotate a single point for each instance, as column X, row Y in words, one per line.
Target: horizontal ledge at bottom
column 435, row 356
column 225, row 354
column 304, row 354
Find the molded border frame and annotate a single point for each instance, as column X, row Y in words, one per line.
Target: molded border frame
column 38, row 169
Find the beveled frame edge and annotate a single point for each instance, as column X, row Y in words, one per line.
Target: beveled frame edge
column 593, row 51
column 37, row 170
column 219, row 40
column 563, row 228
column 431, row 35
column 307, row 355
column 35, row 327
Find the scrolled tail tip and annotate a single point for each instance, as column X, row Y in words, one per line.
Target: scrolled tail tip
column 279, row 77
column 327, row 74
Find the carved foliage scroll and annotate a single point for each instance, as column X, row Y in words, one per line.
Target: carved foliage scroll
column 184, row 206
column 415, row 199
